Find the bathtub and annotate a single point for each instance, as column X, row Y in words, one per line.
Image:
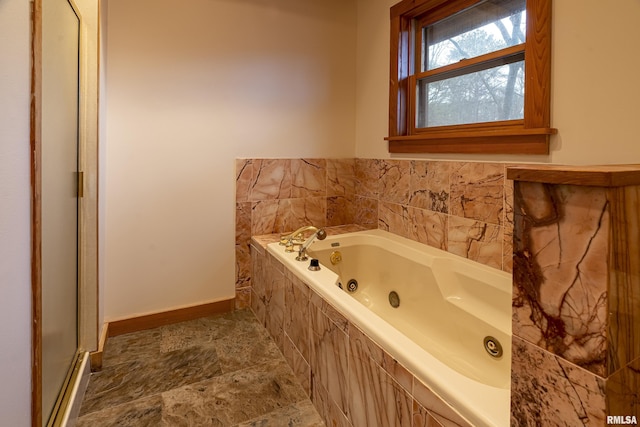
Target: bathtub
column 446, row 316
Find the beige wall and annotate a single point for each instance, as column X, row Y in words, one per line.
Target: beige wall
column 372, row 83
column 15, row 215
column 188, row 91
column 191, row 89
column 594, row 94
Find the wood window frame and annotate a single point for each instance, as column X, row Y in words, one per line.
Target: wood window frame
column 529, row 135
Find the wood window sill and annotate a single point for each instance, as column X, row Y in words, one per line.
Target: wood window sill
column 501, row 141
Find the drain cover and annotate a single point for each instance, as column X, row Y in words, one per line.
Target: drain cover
column 394, row 299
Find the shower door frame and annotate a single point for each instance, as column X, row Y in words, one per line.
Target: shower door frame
column 87, row 232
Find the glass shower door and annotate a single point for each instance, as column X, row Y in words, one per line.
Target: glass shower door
column 60, row 77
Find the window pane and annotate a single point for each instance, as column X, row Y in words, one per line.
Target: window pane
column 494, row 94
column 481, row 29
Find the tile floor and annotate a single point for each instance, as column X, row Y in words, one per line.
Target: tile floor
column 222, row 370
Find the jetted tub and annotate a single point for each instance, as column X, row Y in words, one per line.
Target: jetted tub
column 453, row 315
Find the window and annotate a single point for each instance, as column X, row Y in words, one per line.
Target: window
column 470, row 76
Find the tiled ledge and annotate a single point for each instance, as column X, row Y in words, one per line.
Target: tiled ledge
column 576, row 299
column 261, row 242
column 596, row 176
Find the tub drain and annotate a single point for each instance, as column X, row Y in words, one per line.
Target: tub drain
column 394, row 299
column 493, row 346
column 352, row 285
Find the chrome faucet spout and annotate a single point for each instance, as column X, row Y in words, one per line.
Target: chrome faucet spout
column 320, row 234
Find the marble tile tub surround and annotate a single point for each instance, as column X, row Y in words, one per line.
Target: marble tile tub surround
column 576, row 297
column 201, row 372
column 351, row 381
column 280, row 195
column 461, row 207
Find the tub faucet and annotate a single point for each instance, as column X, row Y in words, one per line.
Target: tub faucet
column 295, row 238
column 320, row 234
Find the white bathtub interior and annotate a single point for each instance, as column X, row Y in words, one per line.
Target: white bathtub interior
column 444, row 309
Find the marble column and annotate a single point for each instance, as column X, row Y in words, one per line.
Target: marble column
column 576, row 295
